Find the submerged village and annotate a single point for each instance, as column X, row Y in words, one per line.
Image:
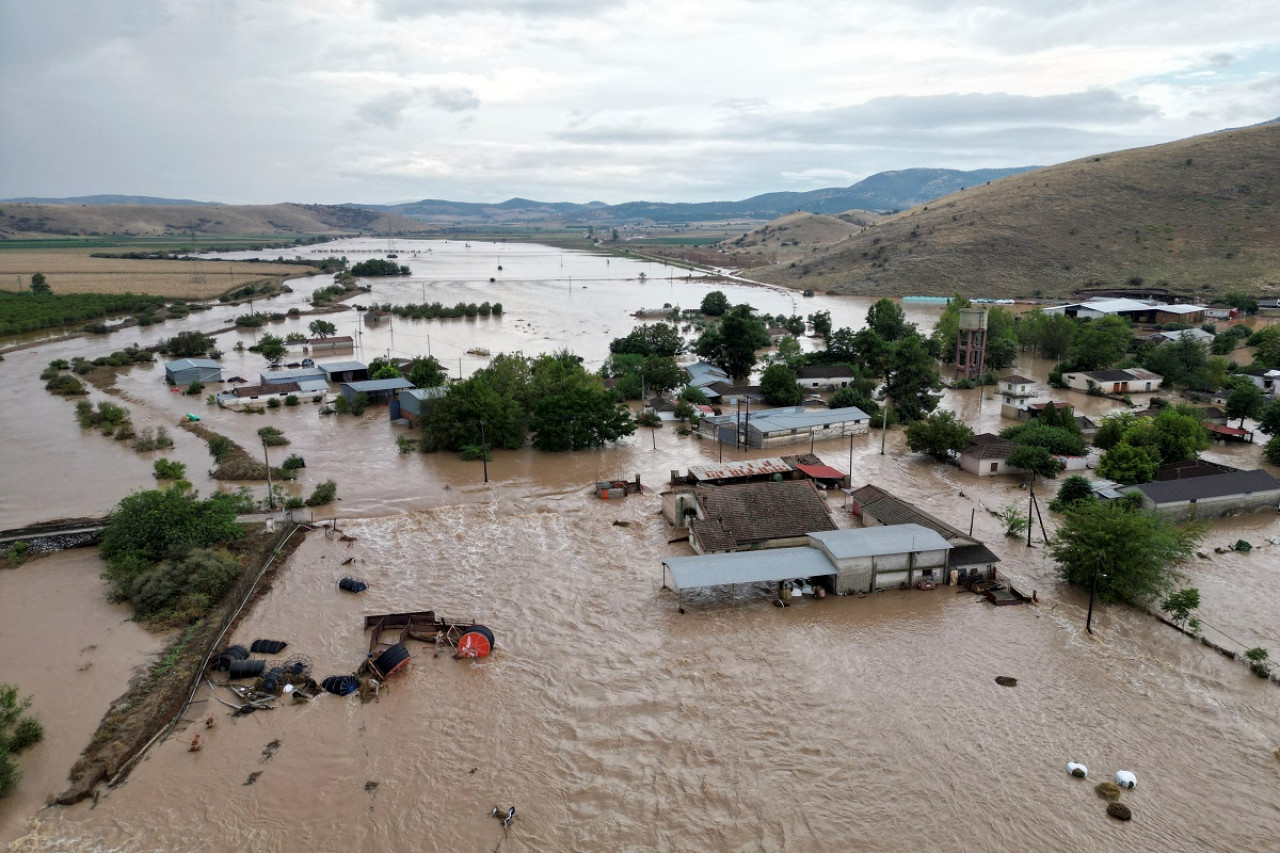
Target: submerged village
column 1075, row 454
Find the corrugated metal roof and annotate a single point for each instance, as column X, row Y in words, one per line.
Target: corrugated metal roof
column 822, row 472
column 744, row 468
column 1215, row 486
column 188, row 363
column 777, row 420
column 296, row 374
column 427, row 393
column 336, row 366
column 878, row 541
column 771, row 564
column 378, row 384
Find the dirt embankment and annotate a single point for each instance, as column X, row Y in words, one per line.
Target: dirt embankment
column 155, row 698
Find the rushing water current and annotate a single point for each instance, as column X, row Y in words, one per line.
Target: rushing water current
column 608, row 718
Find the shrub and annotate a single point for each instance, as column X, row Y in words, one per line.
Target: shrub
column 166, row 469
column 293, row 462
column 65, row 385
column 195, row 388
column 405, row 445
column 18, row 730
column 325, row 493
column 294, row 502
column 179, row 592
column 291, row 400
column 272, row 437
column 274, row 403
column 219, row 447
column 152, row 439
column 1015, row 521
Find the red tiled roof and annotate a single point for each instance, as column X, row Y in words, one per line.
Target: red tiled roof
column 821, row 472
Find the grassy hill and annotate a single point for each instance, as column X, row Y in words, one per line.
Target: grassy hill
column 33, row 221
column 1198, row 217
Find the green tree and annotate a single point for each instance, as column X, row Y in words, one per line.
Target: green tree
column 425, row 372
column 272, row 348
column 1269, row 419
column 1266, row 343
column 1243, row 301
column 1056, row 440
column 322, row 329
column 456, row 418
column 1134, row 552
column 1100, row 343
column 18, row 731
column 940, row 435
column 1049, row 335
column 1112, row 429
column 1181, row 604
column 1179, row 434
column 911, row 379
column 1246, row 400
column 1271, row 450
column 874, row 353
column 1015, row 521
column 187, row 345
column 821, row 322
column 1036, row 459
column 1074, row 489
column 1001, row 337
column 732, row 345
column 655, row 339
column 387, row 371
column 714, row 303
column 1181, row 363
column 860, row 393
column 578, row 418
column 1128, row 464
column 788, row 353
column 779, row 386
column 887, row 319
column 40, row 285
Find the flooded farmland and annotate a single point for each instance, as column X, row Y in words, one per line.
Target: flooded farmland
column 611, row 720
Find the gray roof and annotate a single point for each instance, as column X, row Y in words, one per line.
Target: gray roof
column 188, row 363
column 877, row 541
column 295, row 374
column 1214, row 486
column 824, row 371
column 427, row 393
column 378, row 385
column 770, row 564
column 339, row 366
column 777, row 420
column 740, row 514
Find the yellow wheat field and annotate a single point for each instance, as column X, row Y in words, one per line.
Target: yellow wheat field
column 74, row 271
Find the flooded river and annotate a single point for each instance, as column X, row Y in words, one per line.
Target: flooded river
column 612, row 721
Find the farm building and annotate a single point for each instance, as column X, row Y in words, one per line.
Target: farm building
column 1200, row 336
column 300, row 375
column 843, row 561
column 781, row 427
column 876, row 507
column 1263, row 377
column 184, row 371
column 1133, row 380
column 415, row 404
column 345, row 371
column 750, row 516
column 334, row 344
column 817, row 377
column 1136, row 311
column 1212, row 496
column 379, row 391
column 743, row 471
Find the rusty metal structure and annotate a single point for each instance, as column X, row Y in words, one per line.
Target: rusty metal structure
column 971, row 343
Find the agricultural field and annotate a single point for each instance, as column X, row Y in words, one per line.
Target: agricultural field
column 74, row 270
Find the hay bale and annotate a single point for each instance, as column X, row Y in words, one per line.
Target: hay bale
column 1119, row 811
column 1006, row 681
column 1108, row 790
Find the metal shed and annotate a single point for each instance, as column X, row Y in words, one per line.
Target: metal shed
column 345, row 371
column 868, row 558
column 379, row 391
column 296, row 374
column 744, row 567
column 184, row 371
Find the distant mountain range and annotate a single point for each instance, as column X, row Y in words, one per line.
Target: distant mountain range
column 881, row 193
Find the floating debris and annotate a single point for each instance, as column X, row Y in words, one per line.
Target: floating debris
column 228, row 656
column 1126, row 779
column 1006, row 681
column 353, row 585
column 267, row 647
column 253, row 777
column 1077, row 770
column 1119, row 811
column 341, row 685
column 1108, row 790
column 371, row 787
column 269, row 751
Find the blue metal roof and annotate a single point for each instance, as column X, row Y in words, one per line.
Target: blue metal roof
column 879, row 541
column 339, row 366
column 188, row 363
column 770, row 564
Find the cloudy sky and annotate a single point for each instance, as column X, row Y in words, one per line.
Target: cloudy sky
column 382, row 101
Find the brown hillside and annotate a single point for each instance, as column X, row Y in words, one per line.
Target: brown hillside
column 799, row 235
column 1199, row 217
column 34, row 221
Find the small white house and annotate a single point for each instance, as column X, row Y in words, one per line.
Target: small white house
column 1133, row 380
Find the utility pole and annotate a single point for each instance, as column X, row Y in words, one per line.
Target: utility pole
column 884, row 424
column 1093, row 587
column 271, row 494
column 484, row 452
column 851, row 460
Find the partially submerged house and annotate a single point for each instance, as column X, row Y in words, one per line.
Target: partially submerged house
column 1199, row 336
column 786, row 426
column 1134, row 310
column 184, row 371
column 741, row 471
column 751, row 516
column 844, row 561
column 988, row 454
column 1211, row 496
column 877, row 507
column 307, row 377
column 416, row 404
column 1133, row 380
column 1264, row 378
column 333, row 344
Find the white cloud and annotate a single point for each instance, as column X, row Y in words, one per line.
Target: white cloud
column 343, row 100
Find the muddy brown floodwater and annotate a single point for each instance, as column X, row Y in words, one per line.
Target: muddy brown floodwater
column 609, row 719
